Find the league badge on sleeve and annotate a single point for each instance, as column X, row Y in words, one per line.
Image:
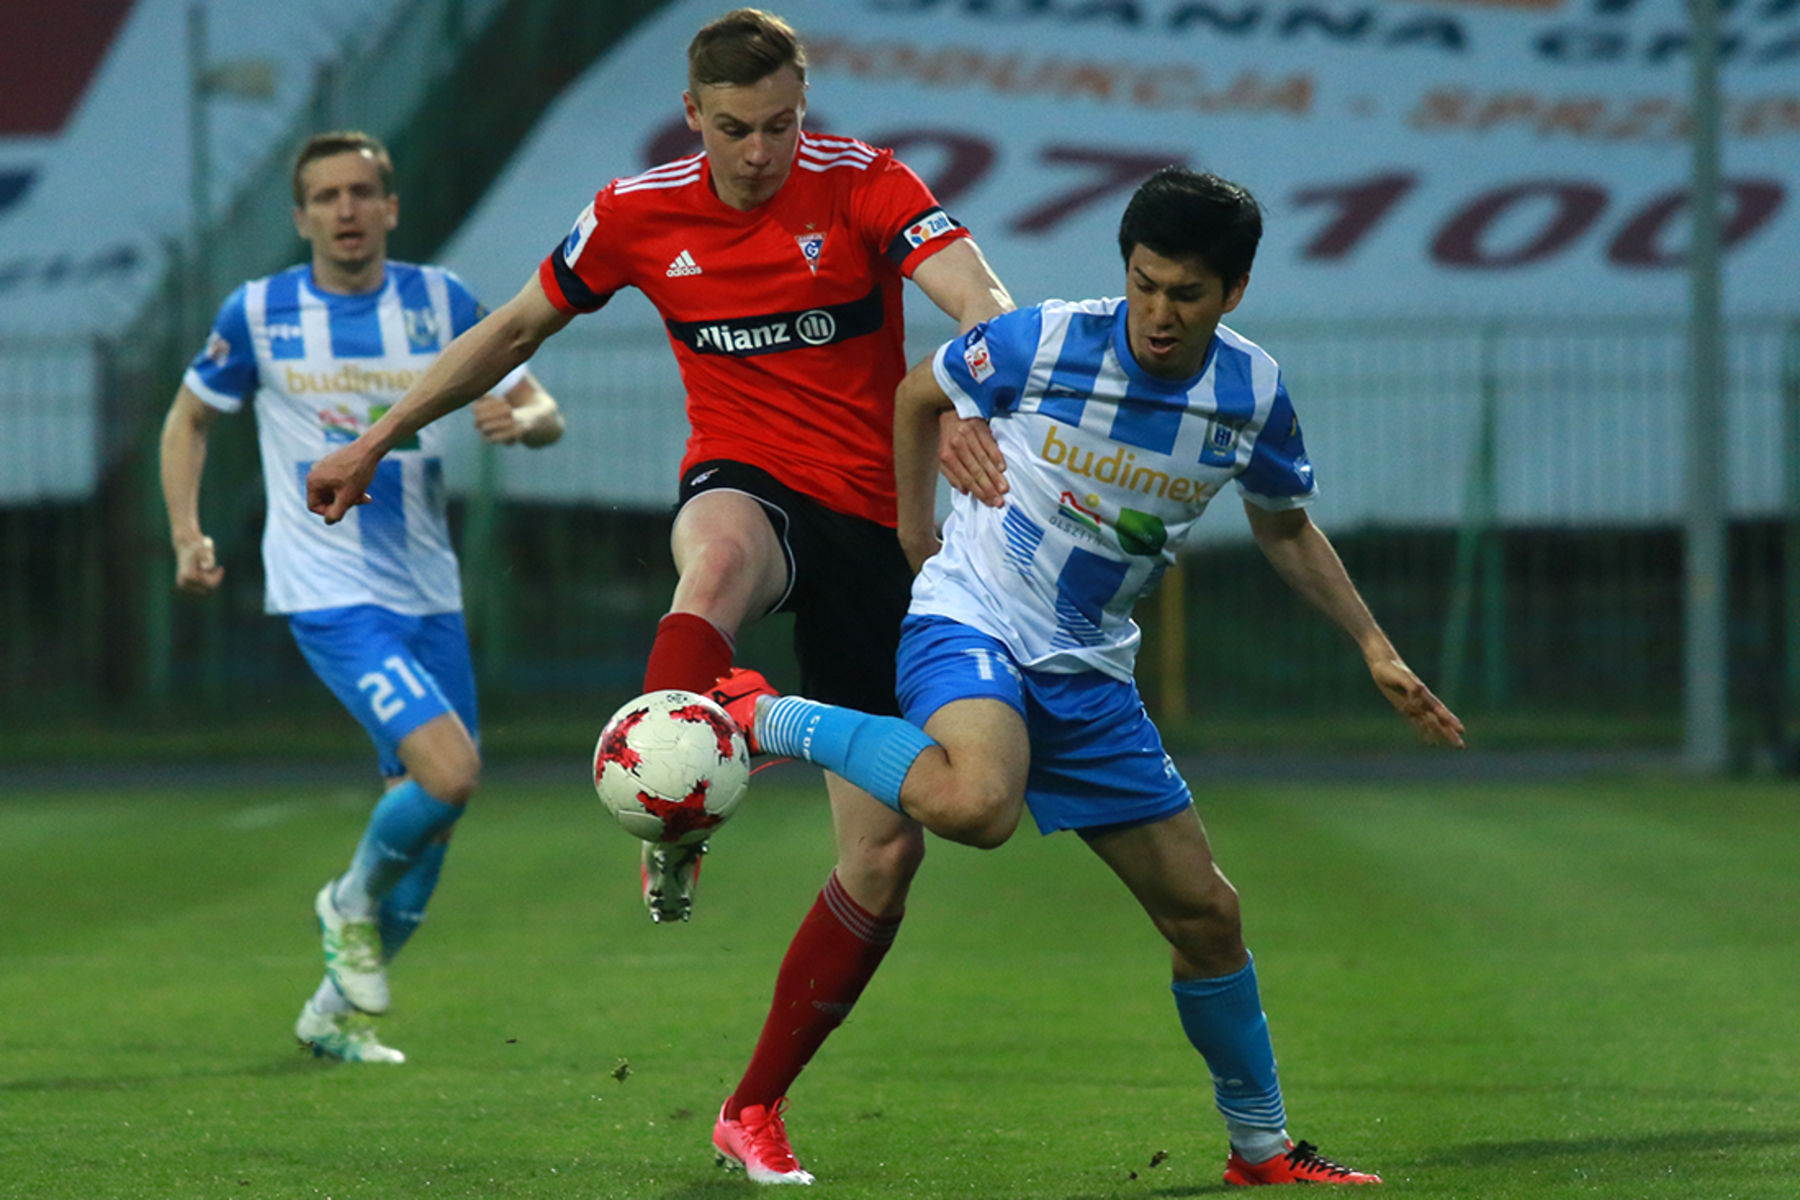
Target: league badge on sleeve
column 976, row 357
column 578, row 237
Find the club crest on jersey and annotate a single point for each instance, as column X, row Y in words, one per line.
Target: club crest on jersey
column 929, row 226
column 812, row 245
column 977, row 359
column 421, row 329
column 1221, row 444
column 218, row 350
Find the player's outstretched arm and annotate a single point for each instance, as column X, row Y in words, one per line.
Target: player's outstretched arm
column 1303, row 556
column 182, row 460
column 917, row 404
column 469, row 367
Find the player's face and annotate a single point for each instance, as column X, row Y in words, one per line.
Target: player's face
column 346, row 214
column 1173, row 305
column 750, row 132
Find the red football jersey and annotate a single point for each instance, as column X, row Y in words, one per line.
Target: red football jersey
column 786, row 320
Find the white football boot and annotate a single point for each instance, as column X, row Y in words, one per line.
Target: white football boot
column 352, row 954
column 347, row 1037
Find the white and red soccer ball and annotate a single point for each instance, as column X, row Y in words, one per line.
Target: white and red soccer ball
column 671, row 767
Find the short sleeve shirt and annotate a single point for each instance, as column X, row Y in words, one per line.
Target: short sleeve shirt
column 319, row 368
column 1109, row 467
column 786, row 320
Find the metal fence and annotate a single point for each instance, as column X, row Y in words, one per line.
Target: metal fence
column 1508, row 498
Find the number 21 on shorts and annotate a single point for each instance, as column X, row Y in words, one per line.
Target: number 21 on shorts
column 384, row 694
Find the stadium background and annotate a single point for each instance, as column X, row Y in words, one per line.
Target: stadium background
column 1468, row 278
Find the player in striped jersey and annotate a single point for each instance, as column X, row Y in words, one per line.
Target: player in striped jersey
column 1119, row 420
column 322, row 350
column 777, row 259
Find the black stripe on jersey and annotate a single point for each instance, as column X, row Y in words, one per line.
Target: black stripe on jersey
column 771, row 333
column 580, row 296
column 934, row 222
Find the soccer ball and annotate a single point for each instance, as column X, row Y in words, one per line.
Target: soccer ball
column 671, row 767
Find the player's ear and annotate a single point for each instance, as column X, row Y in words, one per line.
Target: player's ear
column 1235, row 293
column 691, row 107
column 392, row 218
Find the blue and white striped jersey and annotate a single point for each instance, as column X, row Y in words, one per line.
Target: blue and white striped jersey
column 321, row 367
column 1109, row 469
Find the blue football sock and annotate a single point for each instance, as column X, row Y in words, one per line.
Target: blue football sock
column 872, row 752
column 403, row 908
column 1224, row 1020
column 406, row 820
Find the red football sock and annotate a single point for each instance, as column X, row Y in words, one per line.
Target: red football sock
column 689, row 653
column 830, row 961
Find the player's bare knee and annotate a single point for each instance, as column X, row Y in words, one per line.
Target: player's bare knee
column 453, row 781
column 890, row 860
column 983, row 816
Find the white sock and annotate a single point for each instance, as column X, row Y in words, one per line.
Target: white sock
column 1256, row 1145
column 329, row 1000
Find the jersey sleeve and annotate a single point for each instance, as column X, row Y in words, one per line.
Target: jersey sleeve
column 224, row 373
column 582, row 273
column 465, row 310
column 984, row 371
column 1279, row 475
column 900, row 216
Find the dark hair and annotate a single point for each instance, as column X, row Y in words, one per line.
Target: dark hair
column 741, row 47
column 342, row 141
column 1180, row 213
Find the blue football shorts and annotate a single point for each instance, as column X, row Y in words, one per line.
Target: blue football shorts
column 1097, row 761
column 393, row 672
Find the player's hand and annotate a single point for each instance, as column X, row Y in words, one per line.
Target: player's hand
column 197, row 570
column 1408, row 694
column 495, row 422
column 970, row 459
column 337, row 483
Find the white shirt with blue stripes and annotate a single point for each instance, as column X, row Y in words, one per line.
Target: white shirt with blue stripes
column 1109, row 468
column 320, row 368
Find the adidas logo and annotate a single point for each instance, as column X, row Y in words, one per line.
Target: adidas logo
column 684, row 264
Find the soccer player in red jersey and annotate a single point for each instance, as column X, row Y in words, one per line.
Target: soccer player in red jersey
column 775, row 257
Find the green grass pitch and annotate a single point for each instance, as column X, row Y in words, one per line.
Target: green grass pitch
column 1485, row 991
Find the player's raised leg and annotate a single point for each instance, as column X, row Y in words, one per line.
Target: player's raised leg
column 732, row 569
column 1169, row 867
column 962, row 776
